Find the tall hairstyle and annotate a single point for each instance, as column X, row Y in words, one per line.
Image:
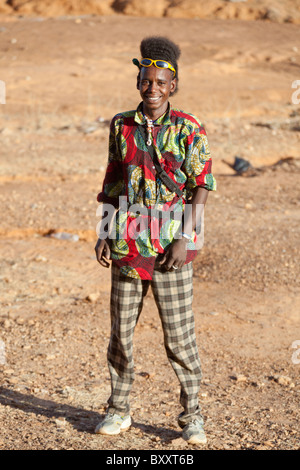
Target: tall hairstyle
column 159, row 47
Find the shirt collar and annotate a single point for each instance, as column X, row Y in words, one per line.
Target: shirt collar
column 165, row 119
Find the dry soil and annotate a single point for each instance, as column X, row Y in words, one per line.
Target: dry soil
column 65, row 79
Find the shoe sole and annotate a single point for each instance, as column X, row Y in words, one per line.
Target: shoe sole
column 124, row 427
column 196, row 440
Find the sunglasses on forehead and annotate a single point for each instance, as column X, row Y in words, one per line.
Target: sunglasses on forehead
column 160, row 64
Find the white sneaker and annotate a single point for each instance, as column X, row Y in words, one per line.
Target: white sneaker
column 194, row 433
column 113, row 424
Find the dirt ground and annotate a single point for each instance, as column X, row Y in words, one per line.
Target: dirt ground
column 65, row 78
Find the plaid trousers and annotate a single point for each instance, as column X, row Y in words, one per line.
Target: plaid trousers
column 173, row 294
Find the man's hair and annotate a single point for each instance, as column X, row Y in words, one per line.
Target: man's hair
column 158, row 47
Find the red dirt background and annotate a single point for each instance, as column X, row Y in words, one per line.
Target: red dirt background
column 67, row 70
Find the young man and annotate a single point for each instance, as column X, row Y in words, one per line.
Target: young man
column 159, row 164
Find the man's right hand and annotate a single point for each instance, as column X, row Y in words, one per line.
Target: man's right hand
column 102, row 252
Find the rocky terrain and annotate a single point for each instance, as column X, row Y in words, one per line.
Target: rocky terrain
column 287, row 11
column 66, row 75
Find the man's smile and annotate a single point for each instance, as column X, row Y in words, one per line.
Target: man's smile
column 152, row 98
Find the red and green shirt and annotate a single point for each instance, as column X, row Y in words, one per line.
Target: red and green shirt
column 182, row 148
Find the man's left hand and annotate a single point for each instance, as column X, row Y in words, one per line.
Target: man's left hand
column 175, row 256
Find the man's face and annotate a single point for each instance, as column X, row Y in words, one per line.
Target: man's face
column 155, row 86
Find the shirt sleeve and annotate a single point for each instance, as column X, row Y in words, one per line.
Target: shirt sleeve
column 198, row 164
column 113, row 185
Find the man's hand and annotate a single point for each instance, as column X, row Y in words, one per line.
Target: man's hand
column 102, row 252
column 175, row 255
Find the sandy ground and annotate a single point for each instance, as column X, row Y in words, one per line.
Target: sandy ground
column 65, row 79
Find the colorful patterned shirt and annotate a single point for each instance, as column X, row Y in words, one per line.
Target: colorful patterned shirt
column 181, row 146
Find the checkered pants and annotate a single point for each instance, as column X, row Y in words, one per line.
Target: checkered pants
column 173, row 293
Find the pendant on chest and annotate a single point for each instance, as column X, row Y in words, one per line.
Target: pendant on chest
column 150, row 127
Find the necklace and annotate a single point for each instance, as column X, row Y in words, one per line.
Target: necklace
column 149, row 130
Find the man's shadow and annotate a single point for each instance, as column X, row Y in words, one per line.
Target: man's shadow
column 82, row 420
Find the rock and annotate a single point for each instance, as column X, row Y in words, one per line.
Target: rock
column 268, row 444
column 65, row 236
column 239, row 378
column 284, row 380
column 50, row 357
column 59, row 8
column 88, row 129
column 13, row 380
column 153, row 8
column 40, row 258
column 273, row 14
column 60, row 421
column 92, row 297
column 4, row 8
column 146, row 375
column 6, row 324
column 192, row 9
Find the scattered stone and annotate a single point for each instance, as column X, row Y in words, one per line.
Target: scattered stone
column 89, row 129
column 284, row 380
column 65, row 236
column 7, row 324
column 13, row 380
column 268, row 444
column 92, row 297
column 49, row 357
column 146, row 375
column 239, row 378
column 40, row 258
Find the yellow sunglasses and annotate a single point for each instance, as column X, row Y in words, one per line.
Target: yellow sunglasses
column 160, row 64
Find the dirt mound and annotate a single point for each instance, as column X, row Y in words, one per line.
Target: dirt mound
column 286, row 11
column 280, row 11
column 65, row 79
column 56, row 7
